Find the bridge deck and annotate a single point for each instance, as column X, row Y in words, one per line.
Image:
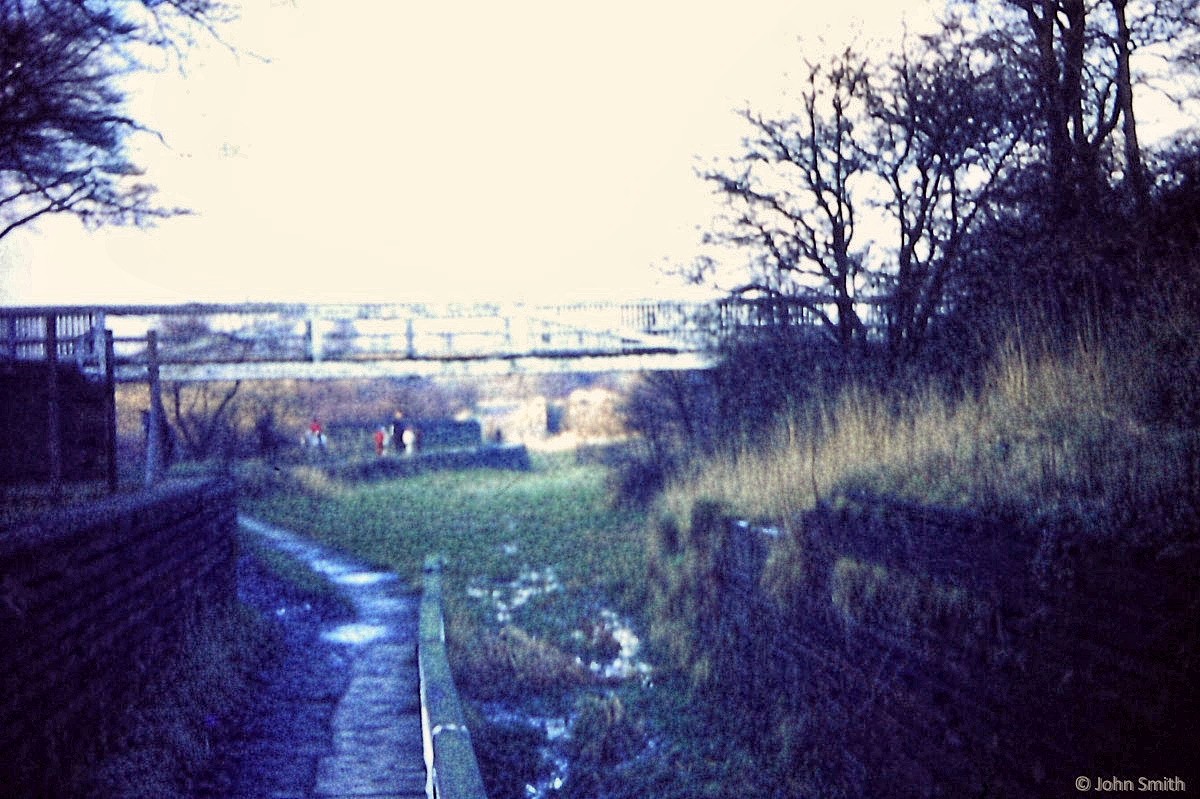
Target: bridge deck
column 269, row 341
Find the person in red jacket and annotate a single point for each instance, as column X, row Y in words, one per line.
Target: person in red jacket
column 316, row 435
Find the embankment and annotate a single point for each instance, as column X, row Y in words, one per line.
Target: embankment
column 883, row 649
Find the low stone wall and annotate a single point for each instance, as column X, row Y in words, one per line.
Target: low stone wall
column 916, row 652
column 91, row 599
column 509, row 456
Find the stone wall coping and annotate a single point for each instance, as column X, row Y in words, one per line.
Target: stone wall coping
column 77, row 519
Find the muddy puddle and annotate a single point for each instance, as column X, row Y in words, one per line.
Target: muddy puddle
column 602, row 641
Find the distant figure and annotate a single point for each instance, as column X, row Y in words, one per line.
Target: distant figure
column 380, row 440
column 397, row 429
column 268, row 436
column 315, row 437
column 409, row 439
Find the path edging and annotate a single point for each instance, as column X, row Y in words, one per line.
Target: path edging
column 453, row 772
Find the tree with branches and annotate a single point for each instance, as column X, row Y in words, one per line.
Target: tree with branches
column 920, row 143
column 64, row 130
column 945, row 135
column 1076, row 66
column 791, row 200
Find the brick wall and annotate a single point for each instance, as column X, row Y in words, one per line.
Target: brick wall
column 91, row 598
column 917, row 652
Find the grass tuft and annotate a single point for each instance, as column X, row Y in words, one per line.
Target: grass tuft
column 159, row 746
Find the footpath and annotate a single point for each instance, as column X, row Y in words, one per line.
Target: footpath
column 341, row 718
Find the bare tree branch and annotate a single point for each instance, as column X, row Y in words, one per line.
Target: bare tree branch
column 63, row 127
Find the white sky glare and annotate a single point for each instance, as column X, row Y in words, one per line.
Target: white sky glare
column 526, row 150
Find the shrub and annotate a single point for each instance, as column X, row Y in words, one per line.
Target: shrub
column 509, row 663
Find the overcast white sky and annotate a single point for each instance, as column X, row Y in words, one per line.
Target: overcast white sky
column 470, row 150
column 532, row 150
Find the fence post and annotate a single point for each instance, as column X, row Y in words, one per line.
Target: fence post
column 53, row 407
column 313, row 343
column 110, row 412
column 101, row 336
column 154, row 423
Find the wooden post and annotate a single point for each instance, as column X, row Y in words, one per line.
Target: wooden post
column 410, row 337
column 10, row 337
column 53, row 407
column 101, row 341
column 154, row 442
column 313, row 340
column 110, row 412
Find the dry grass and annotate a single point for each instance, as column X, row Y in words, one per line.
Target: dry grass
column 1050, row 436
column 1070, row 439
column 159, row 744
column 510, row 663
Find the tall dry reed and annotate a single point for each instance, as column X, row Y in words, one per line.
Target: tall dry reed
column 1051, row 433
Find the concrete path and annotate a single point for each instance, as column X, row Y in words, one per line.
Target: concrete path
column 377, row 750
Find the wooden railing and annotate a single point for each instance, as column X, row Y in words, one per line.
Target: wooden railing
column 76, row 334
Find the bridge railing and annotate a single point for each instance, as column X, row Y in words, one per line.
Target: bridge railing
column 275, row 333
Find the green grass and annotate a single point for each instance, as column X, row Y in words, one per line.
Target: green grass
column 490, row 526
column 158, row 745
column 485, row 523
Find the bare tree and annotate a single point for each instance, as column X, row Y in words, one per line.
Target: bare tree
column 923, row 138
column 63, row 125
column 1077, row 56
column 945, row 125
column 203, row 415
column 792, row 201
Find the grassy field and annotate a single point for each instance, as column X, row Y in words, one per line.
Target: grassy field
column 555, row 526
column 549, row 535
column 485, row 523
